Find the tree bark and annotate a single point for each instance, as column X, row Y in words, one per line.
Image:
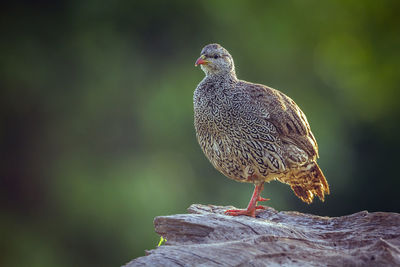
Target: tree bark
column 207, row 237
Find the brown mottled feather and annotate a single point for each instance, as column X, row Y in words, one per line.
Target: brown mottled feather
column 289, row 120
column 253, row 133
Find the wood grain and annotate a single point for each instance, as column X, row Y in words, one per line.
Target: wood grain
column 207, row 237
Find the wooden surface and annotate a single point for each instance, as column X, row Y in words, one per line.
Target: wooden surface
column 207, row 237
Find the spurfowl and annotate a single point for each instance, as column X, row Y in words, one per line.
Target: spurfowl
column 253, row 133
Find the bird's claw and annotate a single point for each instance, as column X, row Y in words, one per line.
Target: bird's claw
column 262, row 199
column 251, row 213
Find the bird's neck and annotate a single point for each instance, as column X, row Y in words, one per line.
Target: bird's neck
column 228, row 77
column 213, row 85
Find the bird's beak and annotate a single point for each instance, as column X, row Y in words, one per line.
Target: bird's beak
column 201, row 61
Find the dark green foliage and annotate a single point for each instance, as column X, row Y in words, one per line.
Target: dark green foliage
column 97, row 132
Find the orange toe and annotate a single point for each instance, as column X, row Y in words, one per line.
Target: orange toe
column 251, row 213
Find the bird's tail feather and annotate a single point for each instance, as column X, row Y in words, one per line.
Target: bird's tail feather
column 308, row 181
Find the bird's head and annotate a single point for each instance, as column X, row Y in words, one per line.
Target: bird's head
column 216, row 60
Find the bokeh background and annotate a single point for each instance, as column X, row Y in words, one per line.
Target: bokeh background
column 97, row 132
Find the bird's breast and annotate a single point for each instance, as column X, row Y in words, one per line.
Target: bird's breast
column 238, row 141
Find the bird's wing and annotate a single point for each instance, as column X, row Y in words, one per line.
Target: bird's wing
column 290, row 122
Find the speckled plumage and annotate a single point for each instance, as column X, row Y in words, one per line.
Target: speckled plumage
column 253, row 133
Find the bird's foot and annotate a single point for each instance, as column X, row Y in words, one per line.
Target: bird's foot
column 252, row 207
column 247, row 212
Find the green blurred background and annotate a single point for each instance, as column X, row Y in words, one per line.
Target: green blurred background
column 97, row 132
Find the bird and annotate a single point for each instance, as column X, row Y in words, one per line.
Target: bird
column 253, row 133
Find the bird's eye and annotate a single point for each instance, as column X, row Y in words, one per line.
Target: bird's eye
column 216, row 56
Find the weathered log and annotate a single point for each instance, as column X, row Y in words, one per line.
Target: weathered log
column 207, row 237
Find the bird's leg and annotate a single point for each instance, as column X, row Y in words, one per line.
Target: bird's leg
column 252, row 207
